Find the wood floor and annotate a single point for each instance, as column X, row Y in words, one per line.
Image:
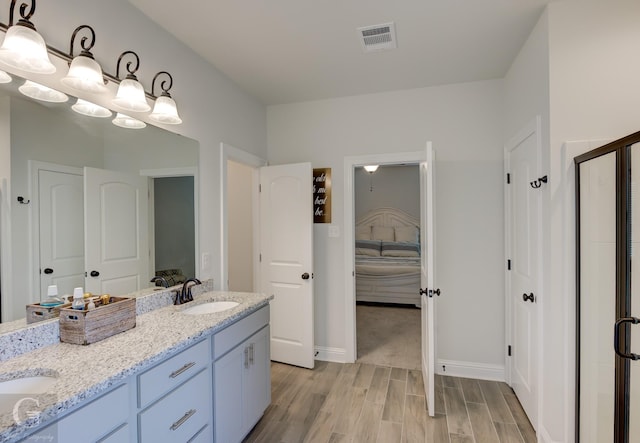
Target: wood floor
column 362, row 402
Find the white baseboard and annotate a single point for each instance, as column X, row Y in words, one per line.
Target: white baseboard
column 336, row 355
column 467, row 369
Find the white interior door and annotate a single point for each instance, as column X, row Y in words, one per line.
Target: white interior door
column 61, row 222
column 286, row 244
column 427, row 276
column 116, row 240
column 523, row 228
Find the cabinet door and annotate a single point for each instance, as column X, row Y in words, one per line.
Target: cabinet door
column 228, row 395
column 257, row 392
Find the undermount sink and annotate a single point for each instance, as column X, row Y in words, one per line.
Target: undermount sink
column 210, row 307
column 13, row 392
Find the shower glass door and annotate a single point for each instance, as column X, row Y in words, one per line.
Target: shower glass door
column 633, row 308
column 597, row 301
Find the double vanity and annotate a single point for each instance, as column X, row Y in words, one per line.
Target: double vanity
column 198, row 372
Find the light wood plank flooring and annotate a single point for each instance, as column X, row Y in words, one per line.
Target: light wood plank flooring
column 362, row 402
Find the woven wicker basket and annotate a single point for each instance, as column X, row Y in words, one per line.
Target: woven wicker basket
column 86, row 327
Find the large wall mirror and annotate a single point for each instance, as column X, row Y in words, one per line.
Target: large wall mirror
column 90, row 204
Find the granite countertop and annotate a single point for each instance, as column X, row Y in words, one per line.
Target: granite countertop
column 84, row 372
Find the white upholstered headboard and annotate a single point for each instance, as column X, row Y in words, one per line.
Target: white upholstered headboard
column 388, row 217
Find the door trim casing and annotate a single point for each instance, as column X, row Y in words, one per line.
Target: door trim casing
column 351, row 162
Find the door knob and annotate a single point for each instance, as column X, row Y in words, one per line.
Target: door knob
column 48, row 271
column 529, row 297
column 94, row 273
column 305, row 276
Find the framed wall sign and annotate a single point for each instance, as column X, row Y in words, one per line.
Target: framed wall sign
column 322, row 195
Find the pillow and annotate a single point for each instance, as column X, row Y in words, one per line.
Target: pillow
column 407, row 234
column 368, row 247
column 395, row 249
column 363, row 232
column 382, row 233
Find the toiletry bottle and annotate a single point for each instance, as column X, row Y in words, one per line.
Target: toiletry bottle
column 78, row 299
column 52, row 297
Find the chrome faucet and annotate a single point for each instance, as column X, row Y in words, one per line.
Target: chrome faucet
column 186, row 296
column 162, row 280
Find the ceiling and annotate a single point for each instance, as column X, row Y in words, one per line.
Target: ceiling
column 284, row 51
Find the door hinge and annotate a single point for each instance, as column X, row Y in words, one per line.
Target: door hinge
column 508, row 265
column 260, row 187
column 508, row 178
column 260, row 258
column 509, row 350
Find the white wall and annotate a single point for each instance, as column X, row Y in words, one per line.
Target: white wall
column 464, row 122
column 393, row 187
column 240, row 226
column 213, row 108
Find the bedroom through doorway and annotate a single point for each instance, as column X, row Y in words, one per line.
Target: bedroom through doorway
column 387, row 265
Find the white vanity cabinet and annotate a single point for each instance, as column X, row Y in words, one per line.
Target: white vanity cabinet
column 99, row 420
column 242, row 380
column 175, row 396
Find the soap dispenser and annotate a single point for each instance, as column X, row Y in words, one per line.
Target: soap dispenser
column 78, row 299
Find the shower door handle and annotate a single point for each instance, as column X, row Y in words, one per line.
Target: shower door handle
column 616, row 337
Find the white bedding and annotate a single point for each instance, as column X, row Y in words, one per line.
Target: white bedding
column 386, row 266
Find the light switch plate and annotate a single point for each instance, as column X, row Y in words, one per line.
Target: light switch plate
column 334, row 231
column 205, row 261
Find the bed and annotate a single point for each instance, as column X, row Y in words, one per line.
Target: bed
column 387, row 260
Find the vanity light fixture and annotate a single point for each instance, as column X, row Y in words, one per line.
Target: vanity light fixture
column 42, row 93
column 165, row 109
column 85, row 74
column 371, row 168
column 4, row 77
column 124, row 121
column 130, row 95
column 89, row 109
column 23, row 48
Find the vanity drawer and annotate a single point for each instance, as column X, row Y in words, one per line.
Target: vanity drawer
column 161, row 379
column 229, row 337
column 181, row 414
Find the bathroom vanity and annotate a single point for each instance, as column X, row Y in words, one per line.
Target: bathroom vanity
column 176, row 376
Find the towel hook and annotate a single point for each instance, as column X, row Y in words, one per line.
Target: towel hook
column 22, row 201
column 537, row 183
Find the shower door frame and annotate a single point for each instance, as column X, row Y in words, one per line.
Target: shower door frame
column 622, row 148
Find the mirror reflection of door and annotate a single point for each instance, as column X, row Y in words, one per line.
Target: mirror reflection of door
column 174, row 228
column 61, row 214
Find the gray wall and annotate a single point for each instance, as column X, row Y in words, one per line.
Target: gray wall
column 393, row 187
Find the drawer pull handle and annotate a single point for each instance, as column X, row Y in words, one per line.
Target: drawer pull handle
column 186, row 367
column 246, row 357
column 184, row 418
column 251, row 354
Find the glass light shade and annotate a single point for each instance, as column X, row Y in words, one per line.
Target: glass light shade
column 4, row 77
column 90, row 109
column 130, row 96
column 371, row 168
column 85, row 74
column 23, row 48
column 42, row 93
column 124, row 121
column 165, row 111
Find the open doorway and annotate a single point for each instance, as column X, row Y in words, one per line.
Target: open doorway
column 387, row 264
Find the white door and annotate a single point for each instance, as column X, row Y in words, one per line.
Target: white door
column 427, row 276
column 286, row 245
column 116, row 240
column 61, row 221
column 523, row 214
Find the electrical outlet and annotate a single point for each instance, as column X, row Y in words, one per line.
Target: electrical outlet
column 334, row 231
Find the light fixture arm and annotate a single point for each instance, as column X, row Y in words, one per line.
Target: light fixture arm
column 163, row 84
column 86, row 48
column 23, row 13
column 131, row 72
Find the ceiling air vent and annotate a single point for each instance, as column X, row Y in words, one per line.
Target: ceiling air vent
column 378, row 37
